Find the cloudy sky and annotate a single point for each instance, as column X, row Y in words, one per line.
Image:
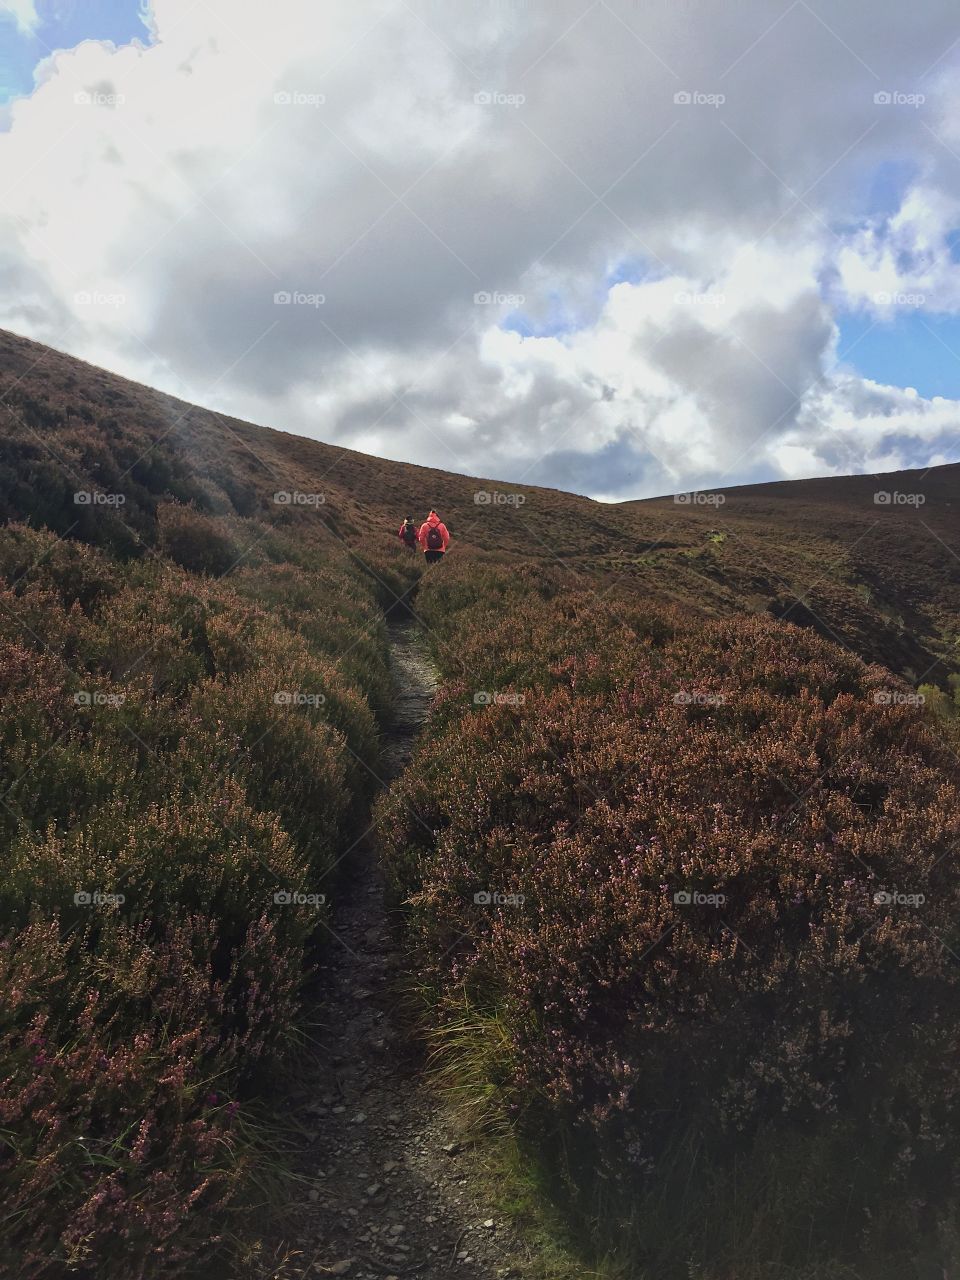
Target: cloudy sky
column 618, row 247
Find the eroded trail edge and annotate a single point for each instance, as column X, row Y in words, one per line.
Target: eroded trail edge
column 389, row 1190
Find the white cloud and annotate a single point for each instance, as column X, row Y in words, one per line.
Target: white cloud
column 23, row 12
column 173, row 176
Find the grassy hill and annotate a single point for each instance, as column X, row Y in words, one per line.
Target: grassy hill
column 883, row 579
column 714, row 696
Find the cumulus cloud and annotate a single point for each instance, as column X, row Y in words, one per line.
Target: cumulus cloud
column 597, row 247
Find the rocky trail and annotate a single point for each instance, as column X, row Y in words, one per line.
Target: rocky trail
column 389, row 1190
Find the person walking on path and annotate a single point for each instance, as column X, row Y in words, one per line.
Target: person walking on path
column 433, row 538
column 408, row 534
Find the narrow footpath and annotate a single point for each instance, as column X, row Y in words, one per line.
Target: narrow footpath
column 389, row 1190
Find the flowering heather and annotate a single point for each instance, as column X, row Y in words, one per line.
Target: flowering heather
column 156, row 795
column 739, row 900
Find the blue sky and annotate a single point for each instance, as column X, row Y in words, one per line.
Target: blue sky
column 61, row 24
column 915, row 349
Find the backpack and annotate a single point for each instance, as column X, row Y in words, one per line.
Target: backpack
column 410, row 534
column 434, row 539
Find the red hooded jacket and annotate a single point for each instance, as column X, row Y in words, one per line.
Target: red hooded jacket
column 433, row 521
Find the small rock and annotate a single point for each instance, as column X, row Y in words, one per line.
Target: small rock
column 314, row 1194
column 489, row 1224
column 374, row 1189
column 389, row 1166
column 451, row 1148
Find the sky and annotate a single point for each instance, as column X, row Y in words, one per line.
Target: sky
column 615, row 247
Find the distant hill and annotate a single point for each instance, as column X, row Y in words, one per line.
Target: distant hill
column 881, row 577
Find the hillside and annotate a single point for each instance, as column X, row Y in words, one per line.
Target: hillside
column 667, row 883
column 882, row 579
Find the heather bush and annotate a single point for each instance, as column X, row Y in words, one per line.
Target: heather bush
column 725, row 856
column 197, row 542
column 175, row 755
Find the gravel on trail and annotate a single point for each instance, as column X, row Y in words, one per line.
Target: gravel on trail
column 389, row 1190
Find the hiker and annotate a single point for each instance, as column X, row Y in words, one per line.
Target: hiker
column 434, row 538
column 408, row 533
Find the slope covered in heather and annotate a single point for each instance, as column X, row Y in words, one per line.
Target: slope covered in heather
column 715, row 695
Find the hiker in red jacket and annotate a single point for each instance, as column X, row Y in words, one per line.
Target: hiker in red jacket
column 408, row 534
column 434, row 538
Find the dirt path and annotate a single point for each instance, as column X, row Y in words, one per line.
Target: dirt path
column 391, row 1191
